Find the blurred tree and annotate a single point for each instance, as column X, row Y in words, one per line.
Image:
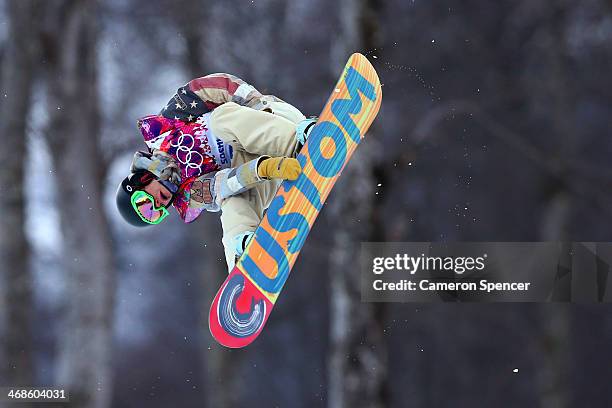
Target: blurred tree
column 70, row 35
column 357, row 371
column 220, row 364
column 554, row 84
column 18, row 76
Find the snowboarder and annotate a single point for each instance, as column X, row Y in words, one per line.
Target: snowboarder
column 218, row 145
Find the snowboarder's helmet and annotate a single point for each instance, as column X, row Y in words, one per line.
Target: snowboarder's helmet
column 134, row 182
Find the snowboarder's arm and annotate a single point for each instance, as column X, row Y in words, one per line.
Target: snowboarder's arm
column 204, row 94
column 209, row 190
column 216, row 89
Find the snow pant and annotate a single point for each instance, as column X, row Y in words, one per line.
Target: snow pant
column 252, row 133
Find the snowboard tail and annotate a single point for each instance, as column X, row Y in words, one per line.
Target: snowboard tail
column 245, row 300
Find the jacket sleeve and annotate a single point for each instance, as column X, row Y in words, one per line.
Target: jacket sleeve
column 216, row 89
column 208, row 191
column 204, row 94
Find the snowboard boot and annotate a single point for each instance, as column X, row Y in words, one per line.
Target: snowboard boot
column 240, row 242
column 302, row 131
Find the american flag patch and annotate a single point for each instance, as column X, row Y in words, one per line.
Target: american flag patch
column 185, row 106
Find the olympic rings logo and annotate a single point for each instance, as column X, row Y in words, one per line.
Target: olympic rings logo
column 185, row 154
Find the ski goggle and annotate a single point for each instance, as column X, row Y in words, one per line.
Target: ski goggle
column 144, row 205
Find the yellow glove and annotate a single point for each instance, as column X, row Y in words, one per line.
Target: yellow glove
column 279, row 167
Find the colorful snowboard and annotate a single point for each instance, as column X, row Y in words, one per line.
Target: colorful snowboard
column 246, row 298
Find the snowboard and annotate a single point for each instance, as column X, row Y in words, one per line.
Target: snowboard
column 245, row 300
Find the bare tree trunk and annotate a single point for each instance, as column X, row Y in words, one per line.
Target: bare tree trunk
column 220, row 364
column 85, row 365
column 358, row 361
column 555, row 336
column 555, row 350
column 16, row 297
